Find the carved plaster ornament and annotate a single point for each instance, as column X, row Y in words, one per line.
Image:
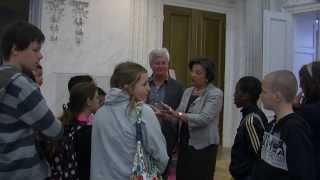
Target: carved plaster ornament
column 56, row 8
column 80, row 15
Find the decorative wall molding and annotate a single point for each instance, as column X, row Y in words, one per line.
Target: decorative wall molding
column 80, row 15
column 273, row 5
column 300, row 6
column 56, row 8
column 297, row 2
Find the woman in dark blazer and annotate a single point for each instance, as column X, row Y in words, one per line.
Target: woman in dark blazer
column 198, row 116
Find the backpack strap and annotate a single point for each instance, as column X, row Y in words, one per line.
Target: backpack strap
column 139, row 125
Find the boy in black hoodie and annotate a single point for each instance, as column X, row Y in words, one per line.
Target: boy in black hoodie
column 246, row 148
column 286, row 152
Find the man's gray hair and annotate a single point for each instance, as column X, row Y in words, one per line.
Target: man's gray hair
column 156, row 53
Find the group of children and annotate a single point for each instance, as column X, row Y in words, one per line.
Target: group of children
column 287, row 147
column 33, row 143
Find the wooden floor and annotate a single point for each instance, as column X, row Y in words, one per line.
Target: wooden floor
column 222, row 164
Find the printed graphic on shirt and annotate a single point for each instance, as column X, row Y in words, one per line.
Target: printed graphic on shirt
column 274, row 151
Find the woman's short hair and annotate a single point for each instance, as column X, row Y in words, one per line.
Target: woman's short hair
column 207, row 65
column 126, row 73
column 156, row 53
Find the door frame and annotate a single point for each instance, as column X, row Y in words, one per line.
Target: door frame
column 227, row 8
column 301, row 7
column 35, row 12
column 295, row 9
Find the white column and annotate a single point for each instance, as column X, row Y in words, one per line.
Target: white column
column 138, row 20
column 146, row 29
column 253, row 18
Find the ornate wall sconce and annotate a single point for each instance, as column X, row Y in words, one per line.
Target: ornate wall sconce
column 56, row 8
column 80, row 15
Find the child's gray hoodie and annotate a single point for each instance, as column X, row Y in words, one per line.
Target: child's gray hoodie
column 114, row 138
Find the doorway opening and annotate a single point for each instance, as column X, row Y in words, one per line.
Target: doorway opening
column 306, row 39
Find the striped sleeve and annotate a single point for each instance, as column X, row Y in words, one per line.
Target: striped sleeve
column 33, row 109
column 252, row 132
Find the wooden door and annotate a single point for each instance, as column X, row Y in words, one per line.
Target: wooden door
column 212, row 42
column 191, row 33
column 177, row 38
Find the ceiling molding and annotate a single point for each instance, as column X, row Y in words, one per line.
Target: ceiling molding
column 301, row 6
column 221, row 6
